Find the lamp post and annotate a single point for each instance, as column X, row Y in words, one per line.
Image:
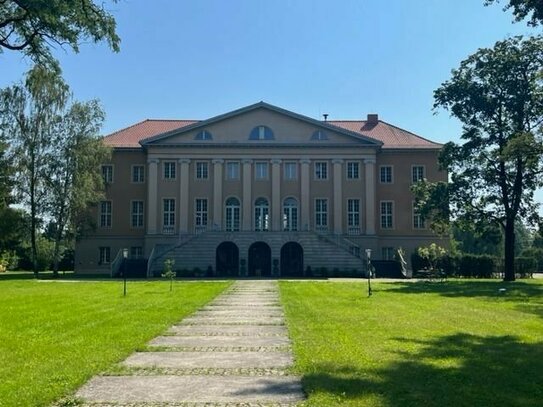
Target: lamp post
column 368, row 269
column 125, row 256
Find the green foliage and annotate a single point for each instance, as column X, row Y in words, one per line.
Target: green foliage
column 8, row 260
column 476, row 266
column 531, row 9
column 432, row 254
column 526, row 266
column 34, row 27
column 535, row 253
column 168, row 271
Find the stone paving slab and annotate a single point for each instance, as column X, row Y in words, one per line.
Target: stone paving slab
column 241, row 330
column 229, row 360
column 238, row 313
column 220, row 341
column 234, row 320
column 191, row 389
column 241, row 307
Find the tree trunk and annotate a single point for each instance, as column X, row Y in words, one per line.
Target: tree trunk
column 33, row 221
column 509, row 274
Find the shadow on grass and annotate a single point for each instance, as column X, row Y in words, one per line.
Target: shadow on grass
column 455, row 370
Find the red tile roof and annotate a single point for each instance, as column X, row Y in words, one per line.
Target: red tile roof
column 391, row 136
column 131, row 136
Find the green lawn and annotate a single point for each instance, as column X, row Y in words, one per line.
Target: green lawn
column 55, row 335
column 458, row 343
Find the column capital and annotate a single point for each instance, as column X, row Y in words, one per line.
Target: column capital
column 337, row 161
column 305, row 161
column 370, row 161
column 153, row 161
column 247, row 161
column 218, row 161
column 276, row 161
column 184, row 161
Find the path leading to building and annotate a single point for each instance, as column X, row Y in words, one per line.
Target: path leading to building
column 234, row 351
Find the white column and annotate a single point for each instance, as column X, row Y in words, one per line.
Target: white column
column 370, row 195
column 304, row 195
column 152, row 196
column 276, row 195
column 217, row 194
column 184, row 195
column 247, row 204
column 338, row 196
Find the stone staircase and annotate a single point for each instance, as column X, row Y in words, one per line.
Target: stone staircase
column 319, row 251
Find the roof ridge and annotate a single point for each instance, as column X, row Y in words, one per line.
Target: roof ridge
column 410, row 132
column 126, row 128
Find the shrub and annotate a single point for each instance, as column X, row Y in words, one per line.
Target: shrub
column 209, row 271
column 308, row 271
column 476, row 266
column 525, row 266
column 432, row 255
column 537, row 254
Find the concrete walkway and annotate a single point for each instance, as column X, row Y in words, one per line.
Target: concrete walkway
column 233, row 352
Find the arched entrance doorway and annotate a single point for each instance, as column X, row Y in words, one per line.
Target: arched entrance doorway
column 227, row 259
column 259, row 260
column 292, row 260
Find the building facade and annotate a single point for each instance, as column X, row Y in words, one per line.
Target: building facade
column 259, row 191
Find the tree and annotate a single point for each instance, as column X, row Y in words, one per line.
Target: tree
column 497, row 94
column 34, row 27
column 524, row 8
column 74, row 181
column 168, row 271
column 27, row 120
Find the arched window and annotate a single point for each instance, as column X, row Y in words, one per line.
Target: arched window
column 319, row 135
column 290, row 214
column 261, row 133
column 262, row 214
column 232, row 214
column 203, row 135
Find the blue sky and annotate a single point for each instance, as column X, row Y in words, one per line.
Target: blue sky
column 196, row 59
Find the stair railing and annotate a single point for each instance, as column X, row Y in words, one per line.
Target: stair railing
column 116, row 263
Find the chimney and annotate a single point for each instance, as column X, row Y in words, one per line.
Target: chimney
column 325, row 115
column 373, row 118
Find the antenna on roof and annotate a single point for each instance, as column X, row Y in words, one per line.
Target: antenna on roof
column 325, row 115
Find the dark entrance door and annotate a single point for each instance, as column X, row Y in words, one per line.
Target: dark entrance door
column 292, row 260
column 227, row 259
column 259, row 260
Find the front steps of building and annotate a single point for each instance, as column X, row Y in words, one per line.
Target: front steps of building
column 199, row 251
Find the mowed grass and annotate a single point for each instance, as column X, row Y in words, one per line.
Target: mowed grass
column 457, row 343
column 55, row 335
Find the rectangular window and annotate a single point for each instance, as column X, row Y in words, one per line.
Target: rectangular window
column 418, row 222
column 321, row 214
column 321, row 170
column 261, row 170
column 105, row 214
column 168, row 219
column 353, row 213
column 169, row 170
column 232, row 170
column 417, row 173
column 105, row 255
column 107, row 174
column 136, row 252
column 201, row 213
column 202, row 171
column 290, row 171
column 386, row 174
column 136, row 214
column 353, row 170
column 387, row 253
column 138, row 173
column 387, row 210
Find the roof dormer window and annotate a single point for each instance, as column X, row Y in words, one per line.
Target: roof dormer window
column 319, row 135
column 261, row 133
column 203, row 135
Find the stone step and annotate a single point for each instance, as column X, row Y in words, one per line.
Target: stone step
column 233, row 321
column 227, row 360
column 238, row 313
column 231, row 330
column 193, row 389
column 220, row 341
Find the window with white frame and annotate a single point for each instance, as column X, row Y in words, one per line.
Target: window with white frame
column 232, row 215
column 261, row 170
column 107, row 173
column 136, row 252
column 168, row 214
column 321, row 214
column 385, row 174
column 201, row 213
column 104, row 256
column 262, row 214
column 321, row 170
column 290, row 214
column 169, row 169
column 136, row 214
column 418, row 221
column 387, row 210
column 232, row 170
column 138, row 174
column 105, row 214
column 290, row 171
column 202, row 170
column 353, row 170
column 417, row 173
column 387, row 253
column 353, row 213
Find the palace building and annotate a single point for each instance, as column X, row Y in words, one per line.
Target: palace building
column 259, row 191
